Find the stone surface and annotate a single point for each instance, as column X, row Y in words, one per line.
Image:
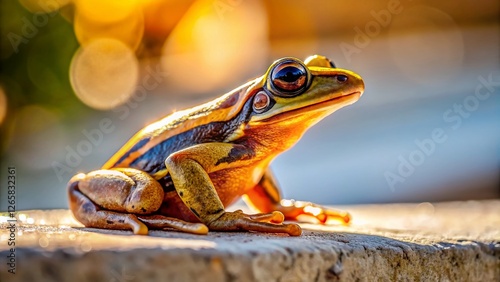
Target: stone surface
column 456, row 241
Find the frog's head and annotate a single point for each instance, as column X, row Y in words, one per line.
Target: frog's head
column 293, row 95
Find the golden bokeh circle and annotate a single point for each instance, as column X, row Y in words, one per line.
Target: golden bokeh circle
column 107, row 11
column 220, row 48
column 104, row 73
column 128, row 28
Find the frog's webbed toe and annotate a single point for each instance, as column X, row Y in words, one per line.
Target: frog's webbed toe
column 292, row 209
column 238, row 221
column 272, row 217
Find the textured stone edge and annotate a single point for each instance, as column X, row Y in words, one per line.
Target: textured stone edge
column 318, row 257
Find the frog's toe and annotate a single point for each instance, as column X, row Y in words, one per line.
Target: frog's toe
column 337, row 215
column 291, row 229
column 162, row 222
column 238, row 221
column 139, row 228
column 295, row 209
column 323, row 215
column 274, row 217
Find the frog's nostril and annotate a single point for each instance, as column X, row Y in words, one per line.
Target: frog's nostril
column 341, row 78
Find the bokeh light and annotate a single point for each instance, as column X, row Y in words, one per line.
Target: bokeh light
column 3, row 105
column 121, row 20
column 106, row 11
column 437, row 44
column 215, row 45
column 104, row 73
column 157, row 25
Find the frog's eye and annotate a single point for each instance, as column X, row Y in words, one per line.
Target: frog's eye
column 289, row 78
column 261, row 102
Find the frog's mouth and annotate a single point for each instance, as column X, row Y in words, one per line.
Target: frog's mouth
column 326, row 106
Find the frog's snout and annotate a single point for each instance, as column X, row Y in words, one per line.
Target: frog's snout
column 362, row 87
column 357, row 83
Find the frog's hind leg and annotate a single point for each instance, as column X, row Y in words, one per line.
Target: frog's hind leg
column 110, row 198
column 91, row 215
column 161, row 222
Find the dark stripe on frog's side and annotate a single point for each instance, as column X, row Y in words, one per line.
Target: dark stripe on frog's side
column 226, row 107
column 236, row 154
column 136, row 147
column 154, row 159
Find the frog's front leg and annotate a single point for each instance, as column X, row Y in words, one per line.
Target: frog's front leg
column 266, row 197
column 113, row 199
column 190, row 168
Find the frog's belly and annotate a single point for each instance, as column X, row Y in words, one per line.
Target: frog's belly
column 230, row 185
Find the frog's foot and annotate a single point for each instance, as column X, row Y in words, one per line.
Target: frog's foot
column 273, row 217
column 91, row 215
column 161, row 222
column 264, row 222
column 292, row 209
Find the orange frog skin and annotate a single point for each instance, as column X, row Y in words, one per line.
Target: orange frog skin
column 183, row 170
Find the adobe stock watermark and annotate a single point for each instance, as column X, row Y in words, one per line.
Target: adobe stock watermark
column 95, row 136
column 31, row 27
column 454, row 118
column 221, row 7
column 380, row 19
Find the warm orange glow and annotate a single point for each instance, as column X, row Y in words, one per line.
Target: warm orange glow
column 121, row 20
column 215, row 44
column 104, row 73
column 161, row 16
column 107, row 11
column 3, row 105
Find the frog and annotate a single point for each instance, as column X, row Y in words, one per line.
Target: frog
column 183, row 171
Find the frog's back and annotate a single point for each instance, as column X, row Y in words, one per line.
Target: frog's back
column 214, row 121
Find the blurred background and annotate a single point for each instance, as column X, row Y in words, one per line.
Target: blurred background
column 79, row 77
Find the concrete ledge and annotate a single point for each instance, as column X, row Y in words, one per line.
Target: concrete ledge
column 457, row 241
